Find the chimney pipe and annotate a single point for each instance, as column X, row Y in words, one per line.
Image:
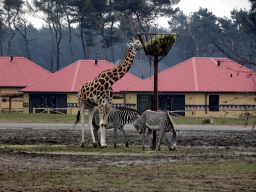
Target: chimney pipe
column 11, row 58
column 96, row 61
column 218, row 62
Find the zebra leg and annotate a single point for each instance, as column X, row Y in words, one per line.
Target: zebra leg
column 95, row 130
column 143, row 134
column 90, row 115
column 173, row 146
column 115, row 132
column 161, row 138
column 149, row 138
column 167, row 140
column 125, row 137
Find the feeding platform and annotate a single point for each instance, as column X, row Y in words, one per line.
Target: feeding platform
column 157, row 44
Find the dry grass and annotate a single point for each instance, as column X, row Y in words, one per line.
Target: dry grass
column 199, row 176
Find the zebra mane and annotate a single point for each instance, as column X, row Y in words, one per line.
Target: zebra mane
column 127, row 108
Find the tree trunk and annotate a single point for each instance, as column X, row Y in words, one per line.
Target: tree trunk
column 106, row 52
column 58, row 49
column 82, row 36
column 112, row 50
column 9, row 43
column 70, row 39
column 24, row 35
column 50, row 27
column 1, row 48
column 97, row 47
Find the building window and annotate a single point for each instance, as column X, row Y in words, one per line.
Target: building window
column 213, row 102
column 144, row 102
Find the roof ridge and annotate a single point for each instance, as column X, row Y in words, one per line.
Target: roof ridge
column 135, row 84
column 6, row 57
column 116, row 66
column 159, row 73
column 175, row 65
column 194, row 74
column 75, row 75
column 37, row 65
column 36, row 82
column 212, row 58
column 47, row 77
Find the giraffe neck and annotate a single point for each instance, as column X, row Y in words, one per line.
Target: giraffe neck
column 126, row 64
column 118, row 72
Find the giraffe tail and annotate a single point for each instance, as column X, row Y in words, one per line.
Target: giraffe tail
column 77, row 118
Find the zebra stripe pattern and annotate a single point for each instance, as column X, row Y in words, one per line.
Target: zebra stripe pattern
column 117, row 118
column 157, row 121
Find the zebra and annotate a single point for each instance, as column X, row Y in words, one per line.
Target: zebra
column 118, row 117
column 156, row 120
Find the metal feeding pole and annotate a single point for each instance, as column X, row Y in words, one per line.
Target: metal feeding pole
column 157, row 46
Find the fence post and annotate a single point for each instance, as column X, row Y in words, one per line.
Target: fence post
column 48, row 110
column 34, row 110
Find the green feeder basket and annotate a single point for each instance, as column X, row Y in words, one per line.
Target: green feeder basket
column 157, row 44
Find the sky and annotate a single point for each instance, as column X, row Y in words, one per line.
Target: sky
column 220, row 8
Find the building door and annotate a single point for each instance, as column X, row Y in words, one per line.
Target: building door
column 213, row 102
column 47, row 101
column 144, row 102
column 165, row 102
column 172, row 103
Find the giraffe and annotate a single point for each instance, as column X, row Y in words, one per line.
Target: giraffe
column 99, row 93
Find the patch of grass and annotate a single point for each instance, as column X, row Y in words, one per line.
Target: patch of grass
column 59, row 118
column 216, row 120
column 217, row 175
column 109, row 149
column 38, row 118
column 250, row 166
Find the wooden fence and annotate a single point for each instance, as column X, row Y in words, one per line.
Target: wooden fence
column 55, row 110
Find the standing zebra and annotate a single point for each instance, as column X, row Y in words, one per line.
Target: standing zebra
column 156, row 120
column 118, row 117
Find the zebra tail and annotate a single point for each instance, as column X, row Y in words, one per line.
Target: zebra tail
column 77, row 118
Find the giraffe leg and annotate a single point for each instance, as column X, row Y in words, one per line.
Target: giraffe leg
column 102, row 127
column 82, row 122
column 90, row 115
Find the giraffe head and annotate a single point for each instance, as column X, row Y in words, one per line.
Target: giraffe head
column 136, row 45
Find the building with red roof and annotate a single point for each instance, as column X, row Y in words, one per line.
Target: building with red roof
column 17, row 73
column 59, row 89
column 199, row 86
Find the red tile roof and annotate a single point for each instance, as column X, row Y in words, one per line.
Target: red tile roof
column 71, row 78
column 20, row 72
column 201, row 74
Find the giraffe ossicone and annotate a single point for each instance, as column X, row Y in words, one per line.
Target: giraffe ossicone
column 99, row 93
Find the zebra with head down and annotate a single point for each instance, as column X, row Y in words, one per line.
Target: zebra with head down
column 118, row 117
column 156, row 121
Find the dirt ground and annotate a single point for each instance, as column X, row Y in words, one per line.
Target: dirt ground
column 238, row 145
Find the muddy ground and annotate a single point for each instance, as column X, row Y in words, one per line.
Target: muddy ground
column 237, row 145
column 227, row 145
